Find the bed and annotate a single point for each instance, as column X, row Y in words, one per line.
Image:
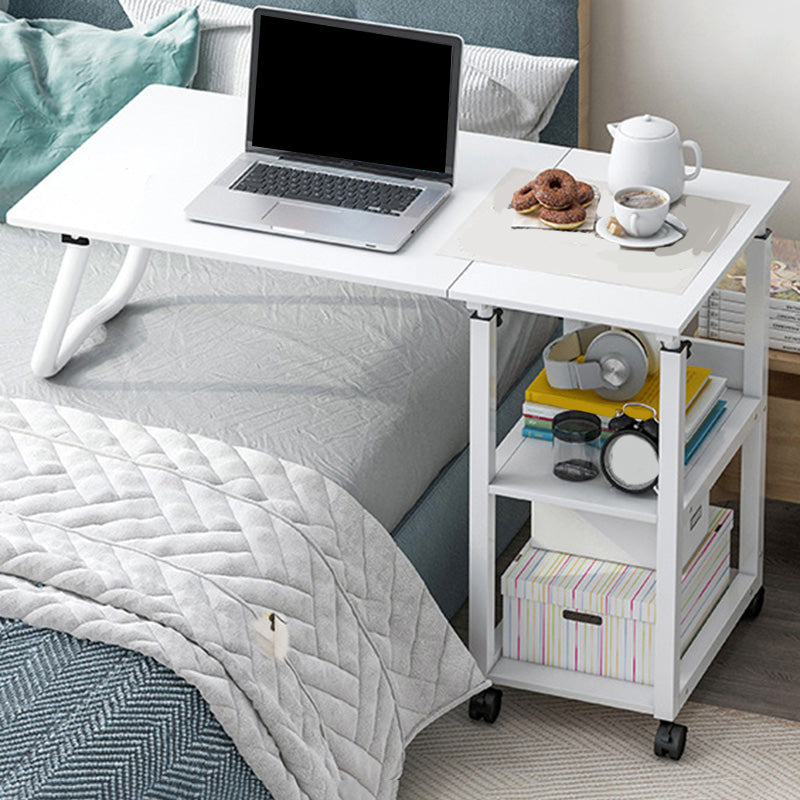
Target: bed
column 246, row 361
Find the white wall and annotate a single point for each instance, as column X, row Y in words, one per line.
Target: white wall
column 726, row 72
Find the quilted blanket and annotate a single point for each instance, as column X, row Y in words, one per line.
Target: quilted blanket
column 174, row 545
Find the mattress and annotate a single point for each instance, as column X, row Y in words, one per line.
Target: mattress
column 367, row 385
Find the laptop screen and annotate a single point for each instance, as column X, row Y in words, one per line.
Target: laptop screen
column 353, row 92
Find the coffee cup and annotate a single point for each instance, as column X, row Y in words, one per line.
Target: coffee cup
column 641, row 210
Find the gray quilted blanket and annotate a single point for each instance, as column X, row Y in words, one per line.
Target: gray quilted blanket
column 174, row 545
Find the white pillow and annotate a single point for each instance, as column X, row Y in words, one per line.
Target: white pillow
column 502, row 92
column 511, row 94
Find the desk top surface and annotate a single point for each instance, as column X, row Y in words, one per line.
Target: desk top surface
column 130, row 182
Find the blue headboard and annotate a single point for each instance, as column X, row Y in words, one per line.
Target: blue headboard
column 539, row 27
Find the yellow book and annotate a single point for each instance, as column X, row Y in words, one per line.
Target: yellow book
column 540, row 391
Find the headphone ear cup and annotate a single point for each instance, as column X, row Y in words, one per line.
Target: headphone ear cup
column 651, row 347
column 615, row 348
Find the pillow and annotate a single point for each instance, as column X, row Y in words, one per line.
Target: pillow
column 502, row 92
column 511, row 94
column 63, row 80
column 224, row 63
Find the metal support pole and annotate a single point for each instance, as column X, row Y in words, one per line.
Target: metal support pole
column 482, row 448
column 671, row 522
column 754, row 449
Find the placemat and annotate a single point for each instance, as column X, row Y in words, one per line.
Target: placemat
column 495, row 233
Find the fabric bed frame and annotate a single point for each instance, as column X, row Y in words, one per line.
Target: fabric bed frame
column 542, row 27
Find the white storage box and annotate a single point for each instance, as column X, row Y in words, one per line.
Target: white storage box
column 597, row 616
column 602, row 536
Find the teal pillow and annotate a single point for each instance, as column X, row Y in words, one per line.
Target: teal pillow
column 60, row 81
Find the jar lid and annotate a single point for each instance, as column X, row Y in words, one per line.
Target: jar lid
column 647, row 126
column 576, row 426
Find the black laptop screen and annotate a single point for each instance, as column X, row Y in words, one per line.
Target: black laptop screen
column 352, row 95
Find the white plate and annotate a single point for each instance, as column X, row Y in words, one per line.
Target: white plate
column 666, row 235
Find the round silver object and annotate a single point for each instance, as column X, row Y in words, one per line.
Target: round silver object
column 611, row 349
column 630, row 461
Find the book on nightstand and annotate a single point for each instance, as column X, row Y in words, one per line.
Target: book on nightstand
column 539, row 416
column 722, row 315
column 540, row 391
column 701, row 418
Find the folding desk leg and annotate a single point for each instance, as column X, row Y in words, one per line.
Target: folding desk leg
column 482, row 447
column 59, row 338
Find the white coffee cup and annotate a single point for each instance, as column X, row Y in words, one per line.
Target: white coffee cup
column 641, row 210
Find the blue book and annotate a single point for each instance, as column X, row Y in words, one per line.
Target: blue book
column 705, row 428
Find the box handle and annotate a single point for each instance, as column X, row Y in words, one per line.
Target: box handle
column 577, row 616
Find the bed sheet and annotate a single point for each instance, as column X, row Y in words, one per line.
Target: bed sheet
column 370, row 386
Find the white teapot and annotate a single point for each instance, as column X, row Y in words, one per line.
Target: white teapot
column 648, row 151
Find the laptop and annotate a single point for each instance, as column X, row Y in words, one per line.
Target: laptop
column 351, row 132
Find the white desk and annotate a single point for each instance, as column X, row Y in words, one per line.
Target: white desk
column 130, row 182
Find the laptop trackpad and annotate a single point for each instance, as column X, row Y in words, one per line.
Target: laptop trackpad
column 303, row 218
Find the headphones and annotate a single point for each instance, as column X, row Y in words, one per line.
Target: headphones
column 616, row 362
column 629, row 456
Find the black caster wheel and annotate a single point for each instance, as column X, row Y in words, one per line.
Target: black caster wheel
column 670, row 740
column 755, row 606
column 486, row 705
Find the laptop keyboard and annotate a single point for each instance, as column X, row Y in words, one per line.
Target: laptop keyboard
column 333, row 190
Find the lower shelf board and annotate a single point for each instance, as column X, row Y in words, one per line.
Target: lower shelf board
column 574, row 685
column 626, row 694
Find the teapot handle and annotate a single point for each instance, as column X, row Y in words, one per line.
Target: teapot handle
column 698, row 159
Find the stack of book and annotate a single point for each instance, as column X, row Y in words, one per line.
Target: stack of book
column 704, row 406
column 722, row 315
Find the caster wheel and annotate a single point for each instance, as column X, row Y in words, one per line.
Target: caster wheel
column 670, row 740
column 756, row 604
column 486, row 705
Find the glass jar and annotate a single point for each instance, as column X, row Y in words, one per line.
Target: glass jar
column 576, row 446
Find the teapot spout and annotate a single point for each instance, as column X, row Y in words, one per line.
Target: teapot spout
column 611, row 127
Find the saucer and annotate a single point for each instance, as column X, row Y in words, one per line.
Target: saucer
column 665, row 235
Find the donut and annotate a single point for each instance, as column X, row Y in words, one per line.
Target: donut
column 584, row 193
column 524, row 200
column 554, row 188
column 565, row 219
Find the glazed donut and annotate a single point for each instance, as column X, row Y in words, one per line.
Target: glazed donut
column 565, row 219
column 554, row 188
column 524, row 200
column 584, row 193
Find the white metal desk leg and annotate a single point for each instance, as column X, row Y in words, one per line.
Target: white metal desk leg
column 754, row 449
column 482, row 447
column 59, row 339
column 670, row 523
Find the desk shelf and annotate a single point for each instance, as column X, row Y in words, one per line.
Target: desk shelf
column 626, row 694
column 524, row 468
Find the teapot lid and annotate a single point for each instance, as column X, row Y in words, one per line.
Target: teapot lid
column 647, row 126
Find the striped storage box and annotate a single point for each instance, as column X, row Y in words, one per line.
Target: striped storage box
column 598, row 616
